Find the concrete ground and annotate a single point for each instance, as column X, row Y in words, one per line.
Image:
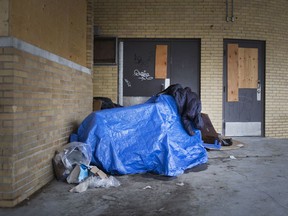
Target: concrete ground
column 255, row 183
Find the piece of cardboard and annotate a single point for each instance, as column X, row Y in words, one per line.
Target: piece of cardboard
column 73, row 177
column 208, row 132
column 96, row 171
column 78, row 174
column 97, row 105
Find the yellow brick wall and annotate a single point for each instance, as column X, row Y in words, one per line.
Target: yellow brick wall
column 254, row 20
column 41, row 103
column 89, row 35
column 105, row 82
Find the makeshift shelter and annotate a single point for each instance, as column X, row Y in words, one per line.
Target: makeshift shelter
column 143, row 138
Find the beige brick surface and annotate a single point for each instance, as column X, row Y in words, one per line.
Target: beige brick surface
column 254, row 20
column 105, row 82
column 42, row 103
column 89, row 35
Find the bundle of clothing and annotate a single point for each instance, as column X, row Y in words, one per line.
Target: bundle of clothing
column 189, row 106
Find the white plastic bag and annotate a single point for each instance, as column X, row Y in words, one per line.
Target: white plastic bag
column 76, row 153
column 95, row 181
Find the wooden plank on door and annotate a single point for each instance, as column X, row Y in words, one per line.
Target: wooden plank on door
column 248, row 67
column 232, row 73
column 161, row 62
column 241, row 67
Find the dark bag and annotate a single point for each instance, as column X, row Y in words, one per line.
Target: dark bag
column 209, row 134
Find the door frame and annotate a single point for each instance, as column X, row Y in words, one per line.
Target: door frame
column 262, row 44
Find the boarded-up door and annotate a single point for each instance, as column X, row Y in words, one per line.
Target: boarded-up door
column 148, row 66
column 243, row 88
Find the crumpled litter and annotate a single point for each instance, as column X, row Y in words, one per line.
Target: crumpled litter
column 78, row 174
column 95, row 181
column 74, row 153
column 147, row 187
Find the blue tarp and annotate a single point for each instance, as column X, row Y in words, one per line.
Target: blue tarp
column 143, row 138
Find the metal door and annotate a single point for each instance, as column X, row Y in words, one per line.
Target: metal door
column 244, row 63
column 138, row 79
column 185, row 64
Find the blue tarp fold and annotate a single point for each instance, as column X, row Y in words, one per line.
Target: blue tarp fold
column 143, row 138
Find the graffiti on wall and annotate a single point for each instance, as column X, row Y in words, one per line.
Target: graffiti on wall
column 142, row 75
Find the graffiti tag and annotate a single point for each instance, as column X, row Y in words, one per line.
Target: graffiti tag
column 142, row 75
column 127, row 82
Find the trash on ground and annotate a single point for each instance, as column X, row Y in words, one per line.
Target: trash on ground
column 72, row 164
column 225, row 141
column 232, row 157
column 95, row 181
column 180, row 184
column 78, row 174
column 147, row 187
column 105, row 183
column 96, row 171
column 215, row 146
column 109, row 198
column 210, row 136
column 75, row 153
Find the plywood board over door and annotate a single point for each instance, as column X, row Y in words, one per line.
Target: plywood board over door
column 248, row 67
column 232, row 75
column 4, row 17
column 161, row 62
column 56, row 26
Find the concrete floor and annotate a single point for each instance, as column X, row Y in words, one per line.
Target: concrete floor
column 255, row 183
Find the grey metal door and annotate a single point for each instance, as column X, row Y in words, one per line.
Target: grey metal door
column 244, row 63
column 141, row 80
column 185, row 64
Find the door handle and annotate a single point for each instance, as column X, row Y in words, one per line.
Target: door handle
column 258, row 90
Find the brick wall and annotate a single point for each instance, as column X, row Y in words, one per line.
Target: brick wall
column 89, row 35
column 105, row 82
column 41, row 103
column 254, row 20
